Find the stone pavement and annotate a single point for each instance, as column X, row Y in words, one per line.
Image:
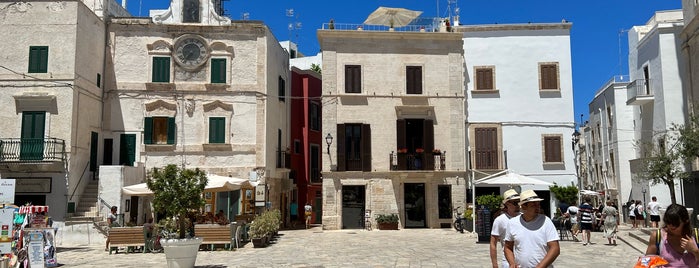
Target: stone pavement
column 358, row 248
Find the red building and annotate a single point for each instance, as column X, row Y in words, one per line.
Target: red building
column 307, row 140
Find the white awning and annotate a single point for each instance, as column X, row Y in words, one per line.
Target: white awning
column 215, row 183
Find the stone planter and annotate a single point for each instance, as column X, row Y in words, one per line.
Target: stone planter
column 388, row 226
column 181, row 253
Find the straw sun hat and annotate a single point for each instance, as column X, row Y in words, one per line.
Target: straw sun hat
column 528, row 196
column 510, row 194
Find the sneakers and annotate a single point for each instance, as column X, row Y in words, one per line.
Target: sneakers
column 585, row 244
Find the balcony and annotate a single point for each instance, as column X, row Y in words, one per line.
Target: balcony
column 418, row 161
column 639, row 92
column 50, row 153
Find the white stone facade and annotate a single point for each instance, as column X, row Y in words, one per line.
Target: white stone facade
column 659, row 101
column 522, row 111
column 67, row 92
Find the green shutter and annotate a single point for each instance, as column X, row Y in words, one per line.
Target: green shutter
column 217, row 130
column 38, row 59
column 148, row 130
column 170, row 130
column 161, row 69
column 218, row 71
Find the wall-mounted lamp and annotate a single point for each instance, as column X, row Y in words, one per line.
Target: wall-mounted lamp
column 328, row 141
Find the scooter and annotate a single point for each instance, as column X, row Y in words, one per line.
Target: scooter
column 458, row 220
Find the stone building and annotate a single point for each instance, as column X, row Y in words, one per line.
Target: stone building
column 189, row 87
column 394, row 104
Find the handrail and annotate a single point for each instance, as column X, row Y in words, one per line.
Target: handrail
column 79, row 180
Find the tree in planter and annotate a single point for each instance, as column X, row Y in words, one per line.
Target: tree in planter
column 387, row 219
column 177, row 192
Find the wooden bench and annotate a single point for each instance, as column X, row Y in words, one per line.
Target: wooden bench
column 125, row 237
column 214, row 234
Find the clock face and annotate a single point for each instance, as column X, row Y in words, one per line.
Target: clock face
column 190, row 52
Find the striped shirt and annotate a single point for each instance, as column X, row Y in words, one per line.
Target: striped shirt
column 585, row 213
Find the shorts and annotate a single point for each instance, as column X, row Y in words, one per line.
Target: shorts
column 586, row 226
column 632, row 217
column 294, row 217
column 308, row 213
column 639, row 217
column 655, row 218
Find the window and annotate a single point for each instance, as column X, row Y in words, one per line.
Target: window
column 413, row 75
column 353, row 147
column 38, row 59
column 484, row 78
column 314, row 115
column 32, row 139
column 297, row 147
column 159, row 130
column 552, row 149
column 548, row 76
column 99, row 81
column 282, row 88
column 486, row 148
column 161, row 69
column 353, row 79
column 315, row 164
column 217, row 130
column 218, row 71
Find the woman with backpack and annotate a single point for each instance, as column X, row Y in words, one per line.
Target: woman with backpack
column 676, row 242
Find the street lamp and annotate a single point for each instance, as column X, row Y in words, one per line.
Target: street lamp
column 576, row 138
column 644, row 205
column 328, row 141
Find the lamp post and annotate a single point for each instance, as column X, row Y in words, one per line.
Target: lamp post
column 576, row 158
column 328, row 141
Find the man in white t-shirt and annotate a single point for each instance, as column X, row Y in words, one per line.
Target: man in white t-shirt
column 510, row 209
column 654, row 212
column 531, row 239
column 572, row 214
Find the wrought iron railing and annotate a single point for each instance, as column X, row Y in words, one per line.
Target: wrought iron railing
column 417, row 161
column 32, row 150
column 640, row 88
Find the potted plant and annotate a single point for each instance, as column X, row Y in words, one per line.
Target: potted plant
column 177, row 192
column 468, row 219
column 257, row 233
column 387, row 221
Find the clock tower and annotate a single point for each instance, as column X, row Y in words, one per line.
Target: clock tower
column 190, row 12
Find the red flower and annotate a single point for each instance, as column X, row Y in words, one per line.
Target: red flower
column 419, row 150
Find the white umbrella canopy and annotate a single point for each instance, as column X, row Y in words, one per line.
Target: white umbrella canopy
column 511, row 178
column 392, row 16
column 215, row 183
column 588, row 192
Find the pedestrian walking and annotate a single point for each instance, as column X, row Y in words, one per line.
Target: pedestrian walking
column 572, row 214
column 586, row 219
column 531, row 239
column 654, row 212
column 610, row 215
column 308, row 213
column 294, row 213
column 112, row 221
column 640, row 214
column 632, row 213
column 676, row 241
column 510, row 208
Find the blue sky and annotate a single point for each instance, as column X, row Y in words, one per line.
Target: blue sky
column 598, row 36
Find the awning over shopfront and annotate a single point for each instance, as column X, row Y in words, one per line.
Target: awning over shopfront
column 215, row 183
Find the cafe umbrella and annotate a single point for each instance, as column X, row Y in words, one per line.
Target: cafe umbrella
column 392, row 16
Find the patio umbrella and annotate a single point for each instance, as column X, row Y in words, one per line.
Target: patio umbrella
column 511, row 178
column 588, row 192
column 392, row 16
column 215, row 183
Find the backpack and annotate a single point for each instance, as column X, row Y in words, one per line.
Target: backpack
column 635, row 211
column 658, row 237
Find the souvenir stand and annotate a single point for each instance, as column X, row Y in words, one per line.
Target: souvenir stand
column 36, row 238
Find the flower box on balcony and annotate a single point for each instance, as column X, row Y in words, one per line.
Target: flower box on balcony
column 403, row 150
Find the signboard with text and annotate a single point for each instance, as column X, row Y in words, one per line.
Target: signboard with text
column 7, row 191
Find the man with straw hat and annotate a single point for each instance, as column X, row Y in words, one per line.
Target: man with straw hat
column 531, row 239
column 510, row 209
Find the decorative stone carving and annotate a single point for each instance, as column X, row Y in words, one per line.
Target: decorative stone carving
column 217, row 104
column 160, row 104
